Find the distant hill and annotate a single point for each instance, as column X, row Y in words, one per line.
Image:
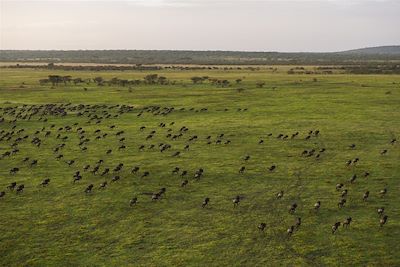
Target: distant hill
column 358, row 56
column 378, row 50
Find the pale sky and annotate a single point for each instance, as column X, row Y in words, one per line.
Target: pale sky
column 245, row 25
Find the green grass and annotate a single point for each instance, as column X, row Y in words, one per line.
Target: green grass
column 60, row 225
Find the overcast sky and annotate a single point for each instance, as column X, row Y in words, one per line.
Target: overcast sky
column 248, row 25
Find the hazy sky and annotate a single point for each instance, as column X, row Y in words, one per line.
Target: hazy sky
column 250, row 25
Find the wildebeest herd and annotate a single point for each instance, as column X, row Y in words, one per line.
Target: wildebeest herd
column 13, row 135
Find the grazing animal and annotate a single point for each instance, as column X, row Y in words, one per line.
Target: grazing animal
column 293, row 208
column 353, row 178
column 236, row 201
column 45, row 182
column 366, row 195
column 20, row 188
column 298, row 222
column 273, row 167
column 383, row 192
column 155, row 196
column 381, row 211
column 12, row 186
column 115, row 178
column 103, row 185
column 335, row 226
column 339, row 186
column 184, row 183
column 383, row 220
column 14, row 170
column 279, row 195
column 341, row 203
column 89, row 188
column 135, row 169
column 205, row 202
column 317, row 205
column 242, row 169
column 290, row 230
column 347, row 222
column 344, row 193
column 133, row 201
column 176, row 154
column 262, row 226
column 2, row 194
column 383, row 152
column 145, row 174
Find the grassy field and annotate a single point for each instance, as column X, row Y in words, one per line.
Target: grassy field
column 61, row 225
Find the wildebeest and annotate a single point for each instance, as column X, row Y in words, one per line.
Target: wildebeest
column 12, row 186
column 184, row 183
column 383, row 192
column 45, row 182
column 317, row 205
column 20, row 188
column 236, row 201
column 290, row 230
column 262, row 226
column 335, row 226
column 383, row 220
column 205, row 202
column 347, row 222
column 366, row 195
column 341, row 203
column 133, row 201
column 293, row 208
column 89, row 188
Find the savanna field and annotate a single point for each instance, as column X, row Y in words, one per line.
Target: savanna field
column 298, row 138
